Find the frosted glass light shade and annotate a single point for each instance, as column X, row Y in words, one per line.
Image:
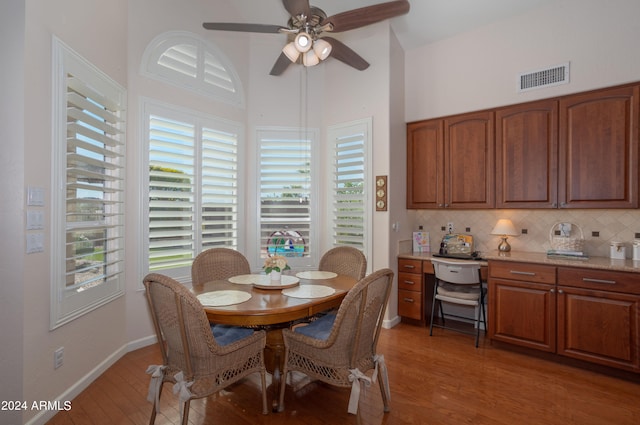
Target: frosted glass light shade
column 310, row 59
column 291, row 52
column 322, row 49
column 303, row 42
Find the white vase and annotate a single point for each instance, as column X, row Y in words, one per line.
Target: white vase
column 275, row 276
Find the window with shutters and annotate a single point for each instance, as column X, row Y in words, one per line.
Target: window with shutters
column 87, row 187
column 186, row 60
column 350, row 208
column 192, row 179
column 288, row 208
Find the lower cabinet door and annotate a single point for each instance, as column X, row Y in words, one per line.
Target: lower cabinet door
column 522, row 313
column 599, row 327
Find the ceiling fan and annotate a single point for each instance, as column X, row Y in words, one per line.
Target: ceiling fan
column 306, row 27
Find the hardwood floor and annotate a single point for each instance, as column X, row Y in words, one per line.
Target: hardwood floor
column 440, row 380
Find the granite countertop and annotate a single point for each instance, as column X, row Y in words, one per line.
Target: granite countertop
column 602, row 263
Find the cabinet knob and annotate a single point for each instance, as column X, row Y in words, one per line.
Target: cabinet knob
column 560, row 291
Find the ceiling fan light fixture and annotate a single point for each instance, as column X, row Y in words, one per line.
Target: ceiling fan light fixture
column 303, row 42
column 291, row 52
column 310, row 59
column 322, row 49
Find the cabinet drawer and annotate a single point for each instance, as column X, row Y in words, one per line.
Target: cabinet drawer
column 601, row 280
column 522, row 271
column 410, row 304
column 410, row 281
column 409, row 266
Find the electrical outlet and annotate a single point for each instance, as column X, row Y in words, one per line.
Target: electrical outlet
column 450, row 227
column 58, row 357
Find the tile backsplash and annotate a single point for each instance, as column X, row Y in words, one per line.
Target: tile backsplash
column 609, row 225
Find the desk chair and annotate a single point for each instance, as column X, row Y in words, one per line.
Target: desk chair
column 193, row 359
column 458, row 282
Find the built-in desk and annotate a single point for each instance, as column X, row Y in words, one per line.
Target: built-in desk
column 415, row 287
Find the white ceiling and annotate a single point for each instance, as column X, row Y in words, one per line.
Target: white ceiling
column 427, row 21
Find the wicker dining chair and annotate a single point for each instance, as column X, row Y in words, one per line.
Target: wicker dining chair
column 192, row 359
column 339, row 349
column 344, row 260
column 218, row 264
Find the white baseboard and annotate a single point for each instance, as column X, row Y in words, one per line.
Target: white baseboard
column 45, row 415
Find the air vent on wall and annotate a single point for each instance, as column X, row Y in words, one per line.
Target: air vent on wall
column 547, row 77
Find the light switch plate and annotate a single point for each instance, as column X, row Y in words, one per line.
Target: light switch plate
column 35, row 219
column 35, row 196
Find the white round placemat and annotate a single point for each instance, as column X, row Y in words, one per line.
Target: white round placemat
column 223, row 297
column 285, row 281
column 316, row 274
column 245, row 279
column 309, row 291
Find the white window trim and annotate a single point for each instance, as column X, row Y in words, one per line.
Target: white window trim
column 366, row 126
column 151, row 106
column 68, row 305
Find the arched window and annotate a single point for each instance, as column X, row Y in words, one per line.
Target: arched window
column 186, row 60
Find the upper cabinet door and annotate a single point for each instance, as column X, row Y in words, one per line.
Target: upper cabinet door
column 424, row 164
column 527, row 155
column 599, row 149
column 469, row 160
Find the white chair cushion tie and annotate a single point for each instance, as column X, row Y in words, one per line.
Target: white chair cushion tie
column 357, row 378
column 181, row 389
column 378, row 359
column 157, row 374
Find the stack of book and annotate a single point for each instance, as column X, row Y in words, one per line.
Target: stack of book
column 570, row 255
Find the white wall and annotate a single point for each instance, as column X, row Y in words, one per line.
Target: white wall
column 11, row 205
column 98, row 31
column 478, row 70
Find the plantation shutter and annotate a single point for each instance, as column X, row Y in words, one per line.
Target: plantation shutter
column 171, row 193
column 349, row 191
column 87, row 237
column 285, row 193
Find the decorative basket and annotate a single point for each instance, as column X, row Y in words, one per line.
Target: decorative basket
column 566, row 242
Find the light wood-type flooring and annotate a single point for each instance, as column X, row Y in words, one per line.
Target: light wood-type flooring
column 439, row 380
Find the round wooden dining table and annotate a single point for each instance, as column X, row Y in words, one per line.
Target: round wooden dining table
column 272, row 310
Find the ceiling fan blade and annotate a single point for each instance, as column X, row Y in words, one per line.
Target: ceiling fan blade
column 367, row 15
column 229, row 26
column 340, row 51
column 297, row 7
column 282, row 63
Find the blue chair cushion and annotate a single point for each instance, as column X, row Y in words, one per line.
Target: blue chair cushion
column 226, row 334
column 318, row 329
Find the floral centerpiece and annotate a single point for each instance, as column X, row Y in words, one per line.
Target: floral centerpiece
column 276, row 263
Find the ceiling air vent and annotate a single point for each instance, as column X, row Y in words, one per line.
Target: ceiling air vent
column 547, row 77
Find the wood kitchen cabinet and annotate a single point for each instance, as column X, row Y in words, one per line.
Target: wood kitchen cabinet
column 527, row 155
column 587, row 314
column 522, row 304
column 598, row 155
column 450, row 162
column 599, row 317
column 425, row 145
